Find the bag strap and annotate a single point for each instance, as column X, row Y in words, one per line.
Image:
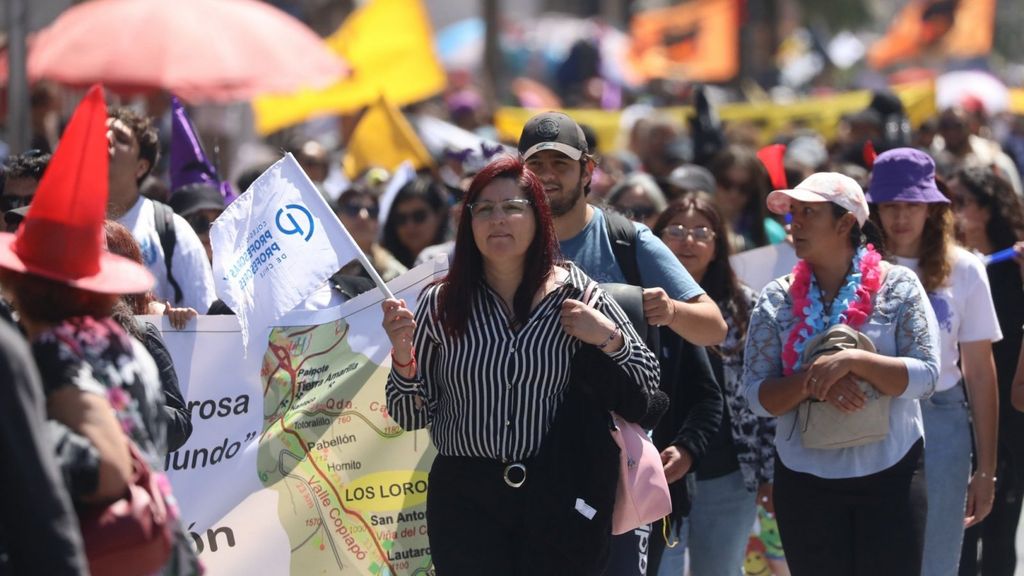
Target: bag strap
column 163, row 217
column 589, row 293
column 622, row 234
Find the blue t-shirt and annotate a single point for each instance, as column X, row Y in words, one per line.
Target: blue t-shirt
column 591, row 250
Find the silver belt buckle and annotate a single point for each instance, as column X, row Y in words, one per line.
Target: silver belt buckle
column 520, row 473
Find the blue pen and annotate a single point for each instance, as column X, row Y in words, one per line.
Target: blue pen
column 1001, row 256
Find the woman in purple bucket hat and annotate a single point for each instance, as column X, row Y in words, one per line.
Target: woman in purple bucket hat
column 917, row 223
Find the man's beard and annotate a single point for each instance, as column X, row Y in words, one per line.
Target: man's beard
column 563, row 206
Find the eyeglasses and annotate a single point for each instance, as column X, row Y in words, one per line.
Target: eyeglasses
column 486, row 210
column 416, row 217
column 353, row 210
column 637, row 213
column 10, row 202
column 680, row 232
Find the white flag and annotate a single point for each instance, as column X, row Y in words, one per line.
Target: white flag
column 275, row 246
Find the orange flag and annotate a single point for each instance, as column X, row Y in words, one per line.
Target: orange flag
column 953, row 28
column 696, row 40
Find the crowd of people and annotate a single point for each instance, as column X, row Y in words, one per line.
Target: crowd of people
column 867, row 401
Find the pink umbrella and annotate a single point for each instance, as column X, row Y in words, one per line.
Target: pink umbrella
column 202, row 50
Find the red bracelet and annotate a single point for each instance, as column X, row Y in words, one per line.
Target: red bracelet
column 412, row 359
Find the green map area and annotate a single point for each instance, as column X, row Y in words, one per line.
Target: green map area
column 351, row 483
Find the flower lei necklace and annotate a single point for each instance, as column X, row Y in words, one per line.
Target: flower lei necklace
column 851, row 306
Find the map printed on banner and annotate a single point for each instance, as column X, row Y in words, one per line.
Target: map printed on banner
column 327, row 482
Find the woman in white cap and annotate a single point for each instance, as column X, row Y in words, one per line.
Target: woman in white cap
column 846, row 504
column 917, row 221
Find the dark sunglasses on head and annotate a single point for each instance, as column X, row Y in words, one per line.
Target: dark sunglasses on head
column 8, row 203
column 416, row 216
column 353, row 210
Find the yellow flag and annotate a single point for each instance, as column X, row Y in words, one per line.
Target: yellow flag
column 383, row 138
column 389, row 45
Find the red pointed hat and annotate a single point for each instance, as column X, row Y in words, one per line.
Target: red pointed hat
column 62, row 235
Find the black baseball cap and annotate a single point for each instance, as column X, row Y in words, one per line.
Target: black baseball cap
column 190, row 199
column 553, row 131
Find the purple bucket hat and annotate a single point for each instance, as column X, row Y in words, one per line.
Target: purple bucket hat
column 904, row 175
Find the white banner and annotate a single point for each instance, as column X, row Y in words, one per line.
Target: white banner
column 294, row 465
column 276, row 245
column 757, row 267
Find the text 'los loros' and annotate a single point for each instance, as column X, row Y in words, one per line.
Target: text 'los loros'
column 390, row 490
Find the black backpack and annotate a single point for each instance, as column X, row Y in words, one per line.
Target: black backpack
column 163, row 218
column 622, row 234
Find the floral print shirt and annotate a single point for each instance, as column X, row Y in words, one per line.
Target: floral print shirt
column 96, row 355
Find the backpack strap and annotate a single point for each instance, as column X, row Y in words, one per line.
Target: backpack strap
column 163, row 217
column 622, row 234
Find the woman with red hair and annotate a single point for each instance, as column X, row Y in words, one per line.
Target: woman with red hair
column 486, row 362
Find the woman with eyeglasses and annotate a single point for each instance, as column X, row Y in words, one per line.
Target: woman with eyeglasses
column 990, row 218
column 639, row 198
column 738, row 462
column 485, row 363
column 856, row 507
column 358, row 210
column 743, row 185
column 417, row 219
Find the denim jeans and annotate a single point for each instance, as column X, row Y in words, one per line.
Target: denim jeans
column 947, row 466
column 716, row 531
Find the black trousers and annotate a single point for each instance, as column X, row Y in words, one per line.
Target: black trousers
column 996, row 536
column 477, row 524
column 867, row 526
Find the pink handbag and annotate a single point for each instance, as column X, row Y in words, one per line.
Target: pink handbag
column 642, row 494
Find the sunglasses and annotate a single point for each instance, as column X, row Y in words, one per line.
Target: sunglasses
column 680, row 232
column 354, row 210
column 487, row 210
column 416, row 217
column 199, row 222
column 8, row 203
column 637, row 213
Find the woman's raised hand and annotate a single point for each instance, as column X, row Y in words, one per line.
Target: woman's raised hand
column 589, row 325
column 399, row 325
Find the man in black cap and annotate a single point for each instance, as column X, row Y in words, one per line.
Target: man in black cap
column 554, row 147
column 610, row 248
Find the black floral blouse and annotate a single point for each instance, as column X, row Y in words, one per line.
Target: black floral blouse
column 97, row 355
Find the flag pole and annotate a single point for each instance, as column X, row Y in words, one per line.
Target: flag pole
column 359, row 251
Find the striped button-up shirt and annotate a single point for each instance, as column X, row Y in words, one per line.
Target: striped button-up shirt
column 493, row 392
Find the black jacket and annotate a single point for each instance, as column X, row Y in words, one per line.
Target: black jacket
column 578, row 459
column 696, row 408
column 179, row 419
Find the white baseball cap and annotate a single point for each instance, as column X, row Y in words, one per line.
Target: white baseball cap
column 823, row 187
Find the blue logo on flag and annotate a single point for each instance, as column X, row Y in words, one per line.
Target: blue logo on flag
column 295, row 227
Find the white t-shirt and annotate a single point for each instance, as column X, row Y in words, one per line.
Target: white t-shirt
column 190, row 265
column 964, row 310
